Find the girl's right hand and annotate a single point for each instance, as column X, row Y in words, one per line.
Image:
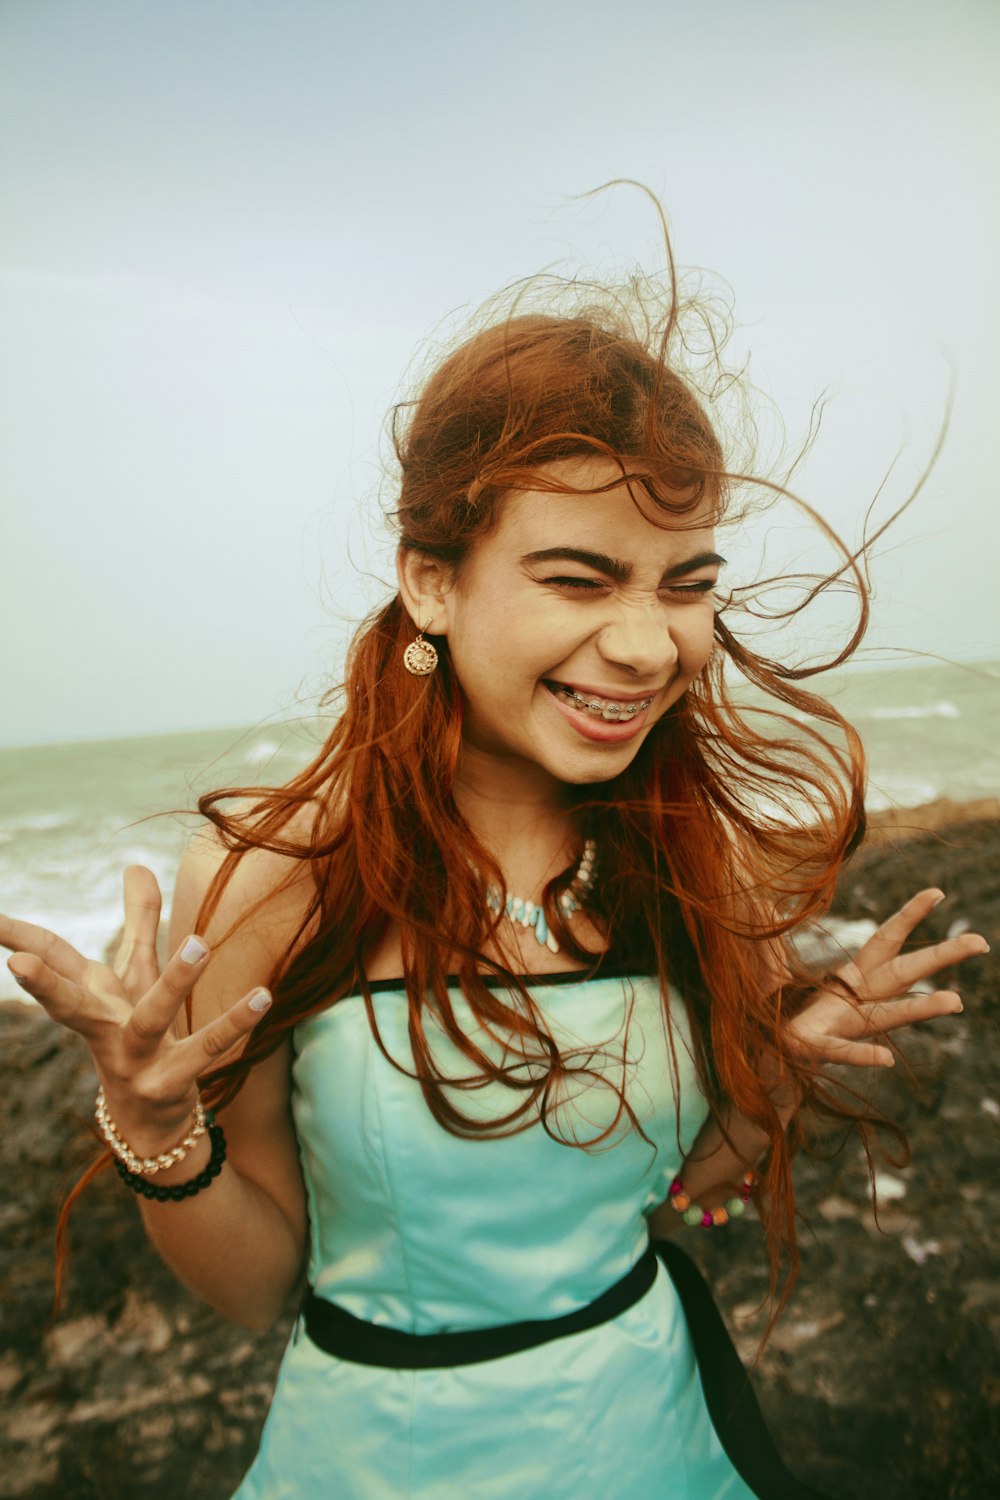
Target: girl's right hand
column 127, row 1014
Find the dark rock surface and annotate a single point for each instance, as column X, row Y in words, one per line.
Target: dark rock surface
column 881, row 1379
column 881, row 1382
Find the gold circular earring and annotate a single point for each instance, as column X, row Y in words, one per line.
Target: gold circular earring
column 420, row 657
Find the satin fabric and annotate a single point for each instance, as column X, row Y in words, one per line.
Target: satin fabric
column 422, row 1230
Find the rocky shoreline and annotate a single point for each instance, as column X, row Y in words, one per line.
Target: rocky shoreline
column 880, row 1381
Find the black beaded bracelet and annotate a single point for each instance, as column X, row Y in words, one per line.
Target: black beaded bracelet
column 178, row 1191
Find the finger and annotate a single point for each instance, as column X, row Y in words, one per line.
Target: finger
column 67, row 1002
column 136, row 963
column 154, row 1013
column 54, row 951
column 889, row 1015
column 204, row 1049
column 903, row 972
column 863, row 1055
column 885, row 943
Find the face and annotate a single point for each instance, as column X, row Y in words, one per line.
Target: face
column 575, row 624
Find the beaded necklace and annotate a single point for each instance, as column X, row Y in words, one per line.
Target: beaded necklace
column 530, row 914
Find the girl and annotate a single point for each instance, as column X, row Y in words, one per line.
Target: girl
column 498, row 990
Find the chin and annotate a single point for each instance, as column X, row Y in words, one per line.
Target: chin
column 592, row 770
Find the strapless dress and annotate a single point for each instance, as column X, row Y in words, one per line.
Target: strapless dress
column 416, row 1229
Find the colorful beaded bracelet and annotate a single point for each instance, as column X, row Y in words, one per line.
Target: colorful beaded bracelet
column 710, row 1218
column 178, row 1191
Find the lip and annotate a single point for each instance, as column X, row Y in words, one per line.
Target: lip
column 601, row 731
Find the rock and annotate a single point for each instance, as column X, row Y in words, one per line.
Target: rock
column 123, row 1393
column 893, row 824
column 900, row 1396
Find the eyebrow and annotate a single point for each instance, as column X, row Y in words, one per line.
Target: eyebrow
column 612, row 567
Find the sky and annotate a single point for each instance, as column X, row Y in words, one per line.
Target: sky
column 233, row 229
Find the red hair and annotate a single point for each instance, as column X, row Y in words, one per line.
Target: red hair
column 706, row 860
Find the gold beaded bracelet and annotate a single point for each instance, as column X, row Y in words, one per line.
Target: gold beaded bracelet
column 147, row 1166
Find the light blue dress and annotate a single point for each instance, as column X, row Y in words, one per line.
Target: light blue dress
column 426, row 1231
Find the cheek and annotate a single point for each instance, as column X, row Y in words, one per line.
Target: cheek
column 491, row 661
column 697, row 640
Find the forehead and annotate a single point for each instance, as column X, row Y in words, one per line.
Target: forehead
column 623, row 521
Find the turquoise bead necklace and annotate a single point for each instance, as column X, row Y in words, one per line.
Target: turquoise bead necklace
column 530, row 914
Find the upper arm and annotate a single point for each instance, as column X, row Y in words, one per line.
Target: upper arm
column 260, row 1137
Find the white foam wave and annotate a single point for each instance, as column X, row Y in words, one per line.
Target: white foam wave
column 941, row 710
column 261, row 751
column 35, row 823
column 900, row 791
column 832, row 942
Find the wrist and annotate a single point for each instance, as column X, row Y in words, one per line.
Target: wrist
column 182, row 1180
column 147, row 1148
column 704, row 1216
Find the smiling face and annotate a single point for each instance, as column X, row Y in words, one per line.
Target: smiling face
column 573, row 626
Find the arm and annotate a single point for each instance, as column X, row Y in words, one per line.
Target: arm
column 240, row 1242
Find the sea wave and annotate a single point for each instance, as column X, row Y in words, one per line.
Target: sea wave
column 833, row 941
column 944, row 709
column 261, row 751
column 77, row 893
column 34, row 823
column 900, row 791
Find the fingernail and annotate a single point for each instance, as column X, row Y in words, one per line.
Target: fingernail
column 21, row 978
column 985, row 948
column 194, row 951
column 259, row 1000
column 937, row 899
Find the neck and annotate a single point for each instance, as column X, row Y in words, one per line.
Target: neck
column 521, row 815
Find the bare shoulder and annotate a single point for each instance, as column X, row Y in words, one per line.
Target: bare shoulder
column 260, row 912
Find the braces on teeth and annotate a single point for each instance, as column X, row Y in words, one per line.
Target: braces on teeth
column 603, row 708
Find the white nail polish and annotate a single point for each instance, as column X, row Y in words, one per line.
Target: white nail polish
column 194, row 951
column 260, row 1000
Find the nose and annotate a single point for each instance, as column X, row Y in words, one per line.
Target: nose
column 639, row 639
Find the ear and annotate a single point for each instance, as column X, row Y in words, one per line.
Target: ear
column 423, row 583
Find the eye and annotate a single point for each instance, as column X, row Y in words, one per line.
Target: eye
column 578, row 585
column 696, row 590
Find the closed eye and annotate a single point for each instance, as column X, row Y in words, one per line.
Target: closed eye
column 588, row 585
column 701, row 586
column 694, row 590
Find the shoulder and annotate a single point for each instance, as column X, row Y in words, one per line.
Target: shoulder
column 251, row 911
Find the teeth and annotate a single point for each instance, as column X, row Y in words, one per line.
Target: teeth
column 603, row 708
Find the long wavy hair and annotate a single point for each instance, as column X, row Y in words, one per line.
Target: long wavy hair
column 724, row 834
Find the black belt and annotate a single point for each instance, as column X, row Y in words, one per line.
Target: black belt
column 338, row 1332
column 730, row 1398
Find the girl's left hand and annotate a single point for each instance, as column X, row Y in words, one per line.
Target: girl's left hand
column 833, row 1027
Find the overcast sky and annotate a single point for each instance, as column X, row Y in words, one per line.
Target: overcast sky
column 231, row 224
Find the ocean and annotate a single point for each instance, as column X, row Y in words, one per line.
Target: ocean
column 73, row 816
